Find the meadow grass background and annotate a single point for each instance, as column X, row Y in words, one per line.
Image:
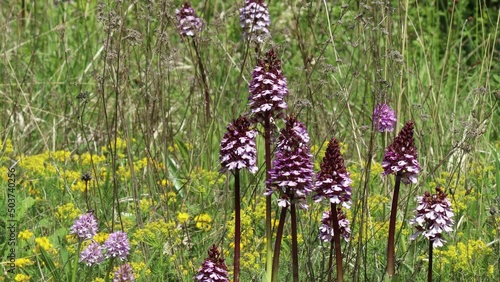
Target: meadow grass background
column 111, row 89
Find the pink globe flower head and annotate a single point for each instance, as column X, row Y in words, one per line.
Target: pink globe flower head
column 92, row 254
column 333, row 181
column 188, row 23
column 238, row 148
column 326, row 228
column 124, row 273
column 267, row 89
column 255, row 20
column 117, row 245
column 213, row 268
column 292, row 172
column 384, row 118
column 433, row 217
column 401, row 156
column 85, row 227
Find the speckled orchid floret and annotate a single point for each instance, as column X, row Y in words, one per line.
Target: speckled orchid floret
column 117, row 245
column 85, row 227
column 326, row 228
column 292, row 172
column 188, row 23
column 433, row 217
column 384, row 118
column 333, row 181
column 238, row 148
column 92, row 254
column 267, row 89
column 124, row 273
column 255, row 20
column 213, row 268
column 401, row 156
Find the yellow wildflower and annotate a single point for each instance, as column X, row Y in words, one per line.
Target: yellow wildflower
column 67, row 212
column 22, row 262
column 182, row 217
column 25, row 235
column 203, row 222
column 22, row 278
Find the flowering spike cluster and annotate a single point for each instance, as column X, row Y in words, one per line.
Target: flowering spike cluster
column 401, row 156
column 384, row 118
column 92, row 254
column 213, row 269
column 326, row 228
column 433, row 216
column 238, row 148
column 188, row 23
column 333, row 181
column 292, row 172
column 267, row 89
column 85, row 227
column 124, row 273
column 117, row 245
column 255, row 20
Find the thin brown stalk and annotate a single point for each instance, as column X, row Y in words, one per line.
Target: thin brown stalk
column 237, row 225
column 392, row 227
column 206, row 90
column 295, row 250
column 277, row 245
column 336, row 240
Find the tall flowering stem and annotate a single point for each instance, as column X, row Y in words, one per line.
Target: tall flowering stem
column 333, row 183
column 400, row 159
column 238, row 151
column 189, row 25
column 433, row 217
column 291, row 177
column 267, row 91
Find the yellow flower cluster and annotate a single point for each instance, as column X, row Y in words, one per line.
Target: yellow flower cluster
column 182, row 217
column 25, row 235
column 22, row 277
column 22, row 262
column 458, row 258
column 140, row 267
column 154, row 233
column 45, row 244
column 203, row 222
column 203, row 180
column 67, row 212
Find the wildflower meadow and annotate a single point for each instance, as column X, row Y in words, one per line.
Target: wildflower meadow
column 249, row 140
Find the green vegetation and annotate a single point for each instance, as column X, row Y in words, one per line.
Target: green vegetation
column 111, row 89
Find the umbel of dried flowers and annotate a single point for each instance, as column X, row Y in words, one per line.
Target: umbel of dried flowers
column 433, row 217
column 188, row 23
column 238, row 148
column 292, row 171
column 255, row 20
column 401, row 156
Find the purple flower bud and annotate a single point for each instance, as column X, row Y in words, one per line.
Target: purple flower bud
column 268, row 89
column 401, row 156
column 117, row 245
column 85, row 227
column 333, row 181
column 255, row 21
column 124, row 273
column 433, row 216
column 188, row 23
column 292, row 171
column 92, row 254
column 384, row 118
column 238, row 147
column 326, row 228
column 213, row 269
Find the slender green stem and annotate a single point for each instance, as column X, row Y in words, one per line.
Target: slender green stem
column 110, row 267
column 336, row 239
column 392, row 227
column 429, row 268
column 206, row 90
column 269, row 234
column 295, row 250
column 75, row 261
column 277, row 245
column 237, row 225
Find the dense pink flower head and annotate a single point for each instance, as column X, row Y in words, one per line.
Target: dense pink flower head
column 333, row 181
column 268, row 89
column 401, row 156
column 92, row 254
column 117, row 245
column 433, row 217
column 255, row 20
column 188, row 23
column 384, row 118
column 238, row 148
column 213, row 268
column 326, row 228
column 124, row 273
column 85, row 227
column 292, row 172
